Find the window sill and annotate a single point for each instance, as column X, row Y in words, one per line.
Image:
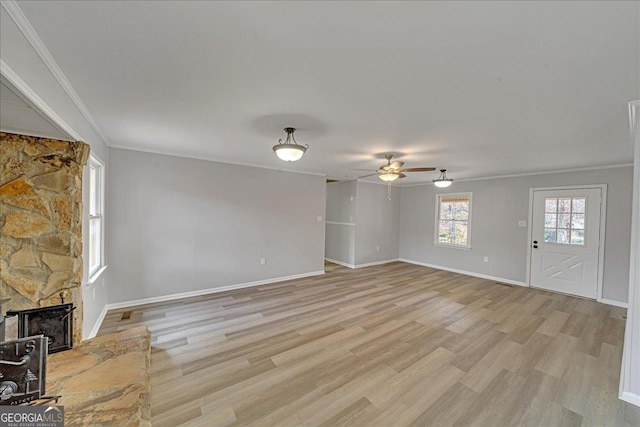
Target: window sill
column 95, row 276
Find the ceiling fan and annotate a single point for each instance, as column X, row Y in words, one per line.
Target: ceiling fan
column 392, row 171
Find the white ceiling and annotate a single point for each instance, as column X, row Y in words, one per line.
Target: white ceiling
column 480, row 88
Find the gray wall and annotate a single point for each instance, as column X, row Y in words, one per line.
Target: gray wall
column 341, row 201
column 340, row 239
column 498, row 204
column 372, row 235
column 178, row 225
column 378, row 223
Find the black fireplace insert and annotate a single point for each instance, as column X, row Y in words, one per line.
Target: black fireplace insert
column 54, row 322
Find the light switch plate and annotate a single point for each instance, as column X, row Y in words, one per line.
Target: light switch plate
column 522, row 223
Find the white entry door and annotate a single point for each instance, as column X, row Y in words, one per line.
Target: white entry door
column 565, row 241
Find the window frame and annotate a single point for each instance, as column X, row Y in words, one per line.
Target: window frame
column 94, row 162
column 436, row 230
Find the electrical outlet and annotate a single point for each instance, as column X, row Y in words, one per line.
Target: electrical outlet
column 351, row 199
column 263, row 261
column 377, row 248
column 319, row 218
column 486, row 259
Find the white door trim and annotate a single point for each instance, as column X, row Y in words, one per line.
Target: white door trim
column 630, row 371
column 603, row 222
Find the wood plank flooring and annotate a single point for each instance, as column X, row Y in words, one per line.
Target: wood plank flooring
column 390, row 345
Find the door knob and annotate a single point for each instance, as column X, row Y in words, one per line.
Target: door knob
column 535, row 246
column 535, row 242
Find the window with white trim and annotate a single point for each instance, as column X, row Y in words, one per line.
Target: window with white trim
column 96, row 215
column 453, row 220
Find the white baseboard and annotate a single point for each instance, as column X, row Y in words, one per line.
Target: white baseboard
column 344, row 264
column 629, row 397
column 369, row 264
column 467, row 273
column 614, row 303
column 125, row 304
column 96, row 326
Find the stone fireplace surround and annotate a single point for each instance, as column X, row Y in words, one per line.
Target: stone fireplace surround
column 41, row 223
column 103, row 381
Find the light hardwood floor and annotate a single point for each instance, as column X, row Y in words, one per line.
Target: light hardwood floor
column 396, row 344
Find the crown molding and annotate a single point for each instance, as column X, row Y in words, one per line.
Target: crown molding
column 516, row 175
column 23, row 24
column 211, row 159
column 33, row 99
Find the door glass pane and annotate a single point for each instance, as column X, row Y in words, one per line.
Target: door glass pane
column 549, row 235
column 577, row 222
column 578, row 204
column 567, row 226
column 577, row 237
column 564, row 221
column 564, row 205
column 550, row 220
column 562, row 237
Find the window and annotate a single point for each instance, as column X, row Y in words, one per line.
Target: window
column 96, row 215
column 564, row 220
column 453, row 220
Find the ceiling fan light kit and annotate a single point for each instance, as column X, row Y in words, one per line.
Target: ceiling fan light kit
column 442, row 181
column 388, row 177
column 392, row 171
column 289, row 150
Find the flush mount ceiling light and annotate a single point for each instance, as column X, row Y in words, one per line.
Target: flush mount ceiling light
column 442, row 180
column 289, row 150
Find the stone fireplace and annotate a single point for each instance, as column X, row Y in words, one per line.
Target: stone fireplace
column 41, row 223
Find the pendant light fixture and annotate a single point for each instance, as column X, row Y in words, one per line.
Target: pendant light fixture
column 442, row 181
column 289, row 150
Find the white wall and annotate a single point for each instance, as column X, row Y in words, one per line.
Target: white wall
column 377, row 225
column 498, row 205
column 180, row 225
column 340, row 235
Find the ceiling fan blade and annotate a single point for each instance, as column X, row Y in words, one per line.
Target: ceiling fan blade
column 396, row 165
column 365, row 176
column 417, row 170
column 401, row 175
column 366, row 170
